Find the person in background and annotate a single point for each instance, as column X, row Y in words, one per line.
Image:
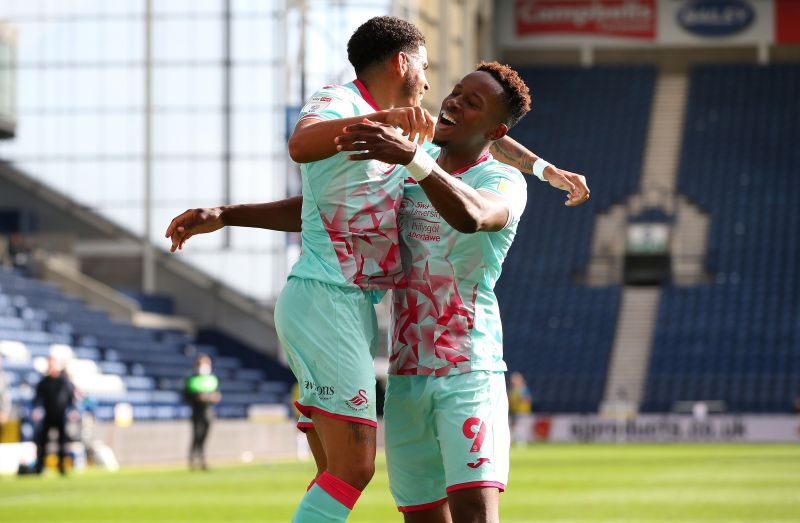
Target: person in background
column 55, row 394
column 20, row 251
column 519, row 403
column 5, row 399
column 201, row 392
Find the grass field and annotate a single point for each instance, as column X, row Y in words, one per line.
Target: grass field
column 548, row 483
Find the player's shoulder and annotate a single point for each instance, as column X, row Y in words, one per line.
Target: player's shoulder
column 497, row 168
column 329, row 101
column 334, row 90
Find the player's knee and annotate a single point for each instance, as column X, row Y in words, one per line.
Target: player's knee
column 361, row 473
column 357, row 473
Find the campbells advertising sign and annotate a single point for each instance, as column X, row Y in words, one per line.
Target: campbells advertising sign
column 626, row 23
column 619, row 18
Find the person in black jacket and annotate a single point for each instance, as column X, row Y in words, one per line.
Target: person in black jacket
column 201, row 392
column 55, row 393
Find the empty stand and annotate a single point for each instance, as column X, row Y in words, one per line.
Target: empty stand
column 115, row 362
column 556, row 332
column 738, row 338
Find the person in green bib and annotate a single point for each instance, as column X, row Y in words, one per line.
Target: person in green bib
column 201, row 392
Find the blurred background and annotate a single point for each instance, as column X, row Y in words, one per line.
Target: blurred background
column 667, row 308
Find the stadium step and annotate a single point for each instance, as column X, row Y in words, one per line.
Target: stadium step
column 630, row 354
column 662, row 151
column 657, row 184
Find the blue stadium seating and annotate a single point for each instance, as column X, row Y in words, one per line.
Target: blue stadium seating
column 558, row 333
column 151, row 363
column 737, row 339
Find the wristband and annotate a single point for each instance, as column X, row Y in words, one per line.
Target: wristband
column 421, row 165
column 539, row 166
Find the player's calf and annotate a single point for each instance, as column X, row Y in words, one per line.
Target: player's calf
column 475, row 505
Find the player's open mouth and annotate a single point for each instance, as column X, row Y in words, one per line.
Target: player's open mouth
column 446, row 119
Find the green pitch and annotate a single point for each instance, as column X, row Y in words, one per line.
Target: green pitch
column 549, row 483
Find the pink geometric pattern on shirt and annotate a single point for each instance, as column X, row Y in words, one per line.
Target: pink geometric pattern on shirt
column 431, row 315
column 366, row 241
column 446, row 320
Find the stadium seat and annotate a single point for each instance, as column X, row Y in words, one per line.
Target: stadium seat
column 739, row 163
column 116, row 362
column 556, row 332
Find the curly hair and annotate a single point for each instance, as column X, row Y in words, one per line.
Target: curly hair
column 518, row 99
column 379, row 38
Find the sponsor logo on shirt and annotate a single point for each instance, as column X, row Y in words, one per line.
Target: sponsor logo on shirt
column 426, row 221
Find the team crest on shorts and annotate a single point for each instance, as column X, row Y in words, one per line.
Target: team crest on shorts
column 358, row 402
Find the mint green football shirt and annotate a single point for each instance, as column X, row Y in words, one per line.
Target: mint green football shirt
column 349, row 228
column 446, row 319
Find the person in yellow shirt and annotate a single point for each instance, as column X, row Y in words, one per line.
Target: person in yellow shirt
column 519, row 403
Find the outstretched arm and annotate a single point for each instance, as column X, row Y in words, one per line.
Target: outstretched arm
column 464, row 208
column 513, row 153
column 283, row 215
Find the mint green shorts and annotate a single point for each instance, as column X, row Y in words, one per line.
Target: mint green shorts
column 330, row 335
column 444, row 434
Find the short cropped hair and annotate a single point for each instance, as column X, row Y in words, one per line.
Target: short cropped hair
column 379, row 38
column 518, row 98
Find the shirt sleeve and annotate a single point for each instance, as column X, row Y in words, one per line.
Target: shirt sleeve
column 507, row 183
column 329, row 103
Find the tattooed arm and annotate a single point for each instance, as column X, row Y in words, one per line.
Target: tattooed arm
column 513, row 153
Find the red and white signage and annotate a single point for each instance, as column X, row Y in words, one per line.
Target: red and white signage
column 787, row 21
column 618, row 18
column 525, row 24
